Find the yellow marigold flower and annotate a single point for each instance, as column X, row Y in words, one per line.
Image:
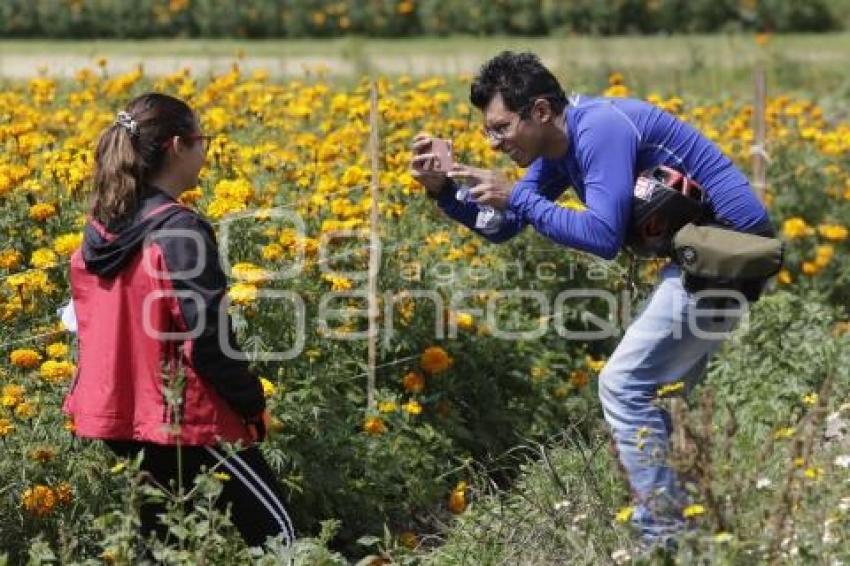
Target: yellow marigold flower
column 810, row 399
column 10, row 259
column 374, row 425
column 249, row 272
column 616, row 91
column 624, row 515
column 67, row 244
column 823, row 255
column 571, row 202
column 437, row 239
column 464, row 321
column 785, row 432
column 42, row 211
column 796, row 228
column 269, row 388
column 353, row 176
column 784, row 277
column 338, row 283
column 841, row 328
column 119, row 467
column 242, row 293
column 191, row 196
column 64, row 493
column 221, row 476
column 457, row 498
column 57, row 350
column 408, row 540
column 25, row 358
column 813, row 473
column 692, row 511
column 238, row 190
column 413, row 382
column 12, row 396
column 42, row 454
column 809, row 268
column 833, row 232
column 387, row 407
column 220, row 207
column 6, row 427
column 54, row 371
column 26, row 410
column 38, row 500
column 43, row 258
column 412, row 407
column 272, row 252
column 435, row 360
column 670, row 388
column 539, row 372
column 595, row 365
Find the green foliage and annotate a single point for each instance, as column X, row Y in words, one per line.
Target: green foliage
column 322, row 18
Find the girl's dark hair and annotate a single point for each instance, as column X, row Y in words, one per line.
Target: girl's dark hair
column 520, row 78
column 131, row 150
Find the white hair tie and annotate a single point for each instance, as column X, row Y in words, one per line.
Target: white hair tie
column 125, row 120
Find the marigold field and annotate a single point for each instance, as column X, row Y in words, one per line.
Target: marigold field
column 478, row 449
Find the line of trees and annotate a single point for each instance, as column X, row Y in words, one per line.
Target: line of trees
column 393, row 18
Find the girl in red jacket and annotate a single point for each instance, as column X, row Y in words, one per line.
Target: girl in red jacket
column 147, row 286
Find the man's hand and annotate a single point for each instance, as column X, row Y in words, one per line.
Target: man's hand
column 486, row 187
column 422, row 165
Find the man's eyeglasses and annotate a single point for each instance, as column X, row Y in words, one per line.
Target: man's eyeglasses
column 206, row 140
column 502, row 132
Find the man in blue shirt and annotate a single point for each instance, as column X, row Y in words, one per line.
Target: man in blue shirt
column 598, row 146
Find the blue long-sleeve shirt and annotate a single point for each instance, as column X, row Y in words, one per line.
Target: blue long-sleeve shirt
column 611, row 140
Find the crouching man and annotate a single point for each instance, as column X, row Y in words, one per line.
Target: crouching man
column 599, row 146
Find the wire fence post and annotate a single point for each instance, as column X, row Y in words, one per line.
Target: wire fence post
column 759, row 151
column 374, row 249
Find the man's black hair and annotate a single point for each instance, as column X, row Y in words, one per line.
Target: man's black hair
column 520, row 78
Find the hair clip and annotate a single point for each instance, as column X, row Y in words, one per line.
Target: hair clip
column 125, row 120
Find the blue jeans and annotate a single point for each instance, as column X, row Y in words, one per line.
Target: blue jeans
column 669, row 341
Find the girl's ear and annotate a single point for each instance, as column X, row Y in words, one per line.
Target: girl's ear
column 178, row 144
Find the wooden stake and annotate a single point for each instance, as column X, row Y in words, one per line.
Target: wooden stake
column 374, row 249
column 759, row 150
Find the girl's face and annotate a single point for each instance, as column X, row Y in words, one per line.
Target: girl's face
column 187, row 155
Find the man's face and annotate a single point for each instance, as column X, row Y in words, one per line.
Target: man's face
column 507, row 132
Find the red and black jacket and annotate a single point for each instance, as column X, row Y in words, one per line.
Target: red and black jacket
column 147, row 296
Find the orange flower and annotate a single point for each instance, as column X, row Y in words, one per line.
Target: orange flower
column 374, row 426
column 25, row 358
column 435, row 360
column 64, row 493
column 39, row 500
column 457, row 498
column 578, row 379
column 413, row 382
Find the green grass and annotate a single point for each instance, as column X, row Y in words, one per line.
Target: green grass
column 708, row 65
column 725, row 49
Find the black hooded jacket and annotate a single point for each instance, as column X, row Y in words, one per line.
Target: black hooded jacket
column 180, row 232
